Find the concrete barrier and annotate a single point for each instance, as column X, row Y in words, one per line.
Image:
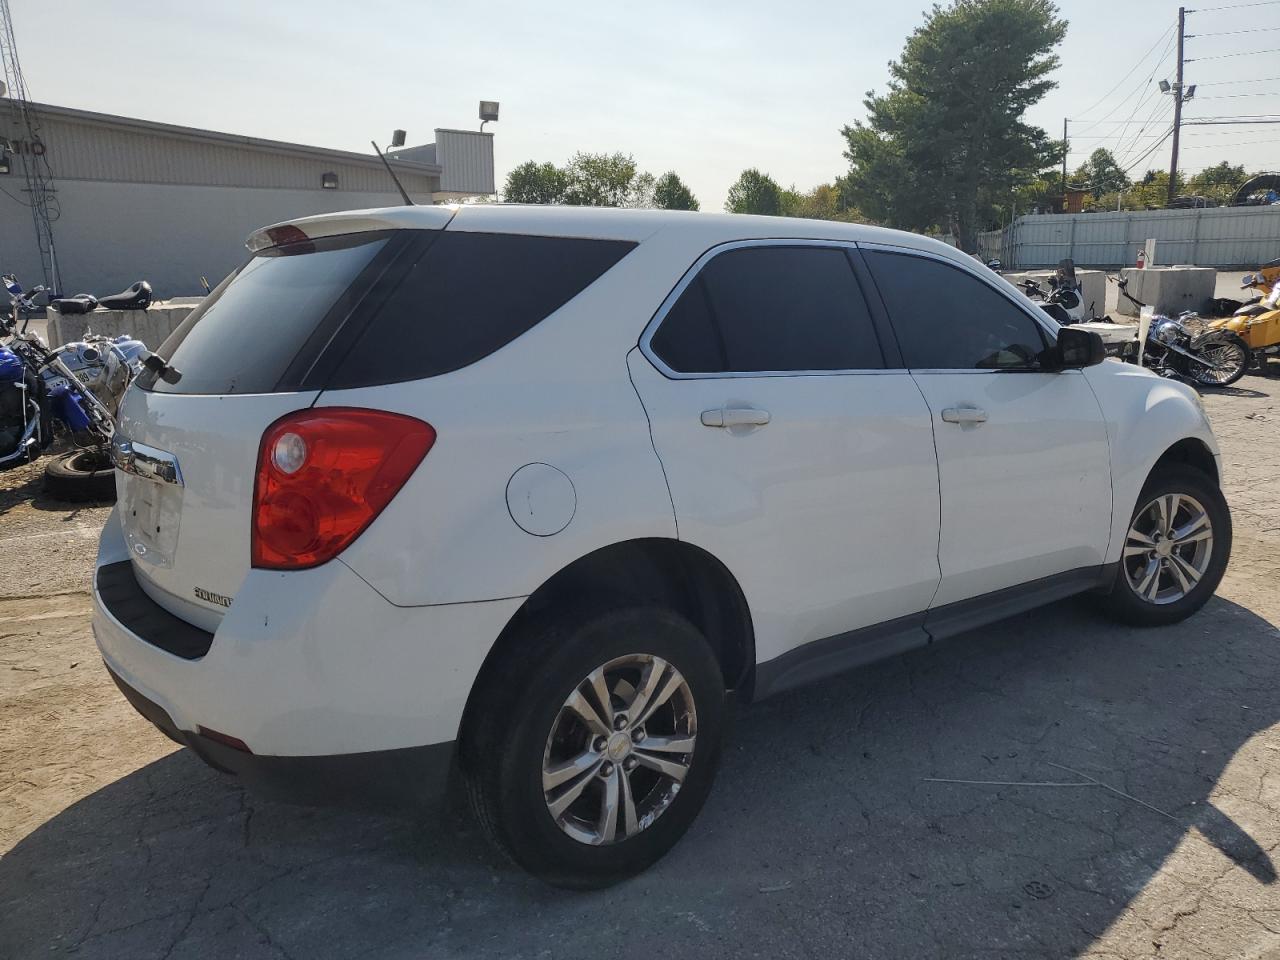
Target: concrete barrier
column 1093, row 286
column 152, row 326
column 1170, row 290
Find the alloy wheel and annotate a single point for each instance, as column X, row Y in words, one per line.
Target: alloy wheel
column 619, row 749
column 1225, row 361
column 1167, row 548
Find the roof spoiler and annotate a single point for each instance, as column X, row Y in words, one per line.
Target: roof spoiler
column 350, row 221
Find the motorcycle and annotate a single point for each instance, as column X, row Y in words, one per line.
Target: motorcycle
column 1185, row 348
column 1064, row 300
column 1257, row 322
column 72, row 391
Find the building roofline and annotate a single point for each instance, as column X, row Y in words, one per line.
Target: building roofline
column 231, row 139
column 474, row 133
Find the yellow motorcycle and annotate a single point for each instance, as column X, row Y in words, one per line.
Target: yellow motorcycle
column 1258, row 322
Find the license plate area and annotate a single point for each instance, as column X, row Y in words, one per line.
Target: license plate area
column 151, row 513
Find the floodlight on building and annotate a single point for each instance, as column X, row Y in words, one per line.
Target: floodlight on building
column 397, row 138
column 488, row 111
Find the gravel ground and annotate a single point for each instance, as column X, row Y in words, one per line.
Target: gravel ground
column 822, row 837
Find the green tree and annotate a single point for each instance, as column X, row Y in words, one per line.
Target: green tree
column 1152, row 191
column 754, row 192
column 600, row 180
column 947, row 141
column 533, row 182
column 823, row 202
column 1219, row 182
column 1101, row 174
column 671, row 193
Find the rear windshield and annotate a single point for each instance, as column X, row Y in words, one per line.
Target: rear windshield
column 369, row 309
column 245, row 334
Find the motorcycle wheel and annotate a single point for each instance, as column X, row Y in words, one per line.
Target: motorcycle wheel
column 1229, row 359
column 79, row 476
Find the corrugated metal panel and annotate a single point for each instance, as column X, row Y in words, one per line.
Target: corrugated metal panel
column 467, row 159
column 94, row 151
column 1216, row 237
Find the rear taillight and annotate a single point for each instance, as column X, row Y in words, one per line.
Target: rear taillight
column 323, row 475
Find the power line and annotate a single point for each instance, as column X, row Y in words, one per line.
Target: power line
column 1229, row 146
column 1222, row 121
column 1223, row 83
column 1108, row 136
column 1154, row 147
column 1132, row 144
column 1224, row 56
column 1084, row 113
column 1237, row 6
column 1230, row 33
column 1236, row 96
column 1143, row 85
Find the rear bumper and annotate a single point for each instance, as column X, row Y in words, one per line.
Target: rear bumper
column 409, row 778
column 316, row 672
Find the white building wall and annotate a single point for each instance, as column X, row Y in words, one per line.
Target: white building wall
column 111, row 234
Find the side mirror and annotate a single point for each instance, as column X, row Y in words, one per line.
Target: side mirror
column 1077, row 349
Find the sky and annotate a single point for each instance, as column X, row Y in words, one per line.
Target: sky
column 704, row 89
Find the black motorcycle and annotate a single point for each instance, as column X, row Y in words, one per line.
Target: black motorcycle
column 1184, row 348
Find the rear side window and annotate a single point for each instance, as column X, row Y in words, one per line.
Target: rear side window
column 465, row 296
column 770, row 308
column 373, row 308
column 947, row 319
column 245, row 334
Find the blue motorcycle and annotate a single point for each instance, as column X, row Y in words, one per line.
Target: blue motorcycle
column 71, row 392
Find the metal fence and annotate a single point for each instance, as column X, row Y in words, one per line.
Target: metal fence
column 1223, row 237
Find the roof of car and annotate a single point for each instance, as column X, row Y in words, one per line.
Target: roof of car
column 594, row 222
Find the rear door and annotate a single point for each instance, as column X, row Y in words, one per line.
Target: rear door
column 1023, row 459
column 190, row 448
column 794, row 452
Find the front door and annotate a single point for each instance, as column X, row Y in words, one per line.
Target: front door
column 1023, row 460
column 791, row 453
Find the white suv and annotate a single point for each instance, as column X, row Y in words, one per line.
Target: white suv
column 528, row 492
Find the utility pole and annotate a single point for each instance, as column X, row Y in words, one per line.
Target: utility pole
column 1064, row 163
column 1177, row 107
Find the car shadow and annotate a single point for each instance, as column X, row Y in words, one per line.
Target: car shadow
column 1231, row 391
column 868, row 815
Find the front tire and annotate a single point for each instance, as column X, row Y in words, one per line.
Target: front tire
column 1176, row 549
column 578, row 792
column 1228, row 358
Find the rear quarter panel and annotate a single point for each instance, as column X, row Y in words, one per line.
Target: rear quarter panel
column 1145, row 416
column 560, row 394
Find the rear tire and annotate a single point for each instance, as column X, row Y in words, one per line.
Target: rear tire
column 1163, row 579
column 80, row 476
column 526, row 749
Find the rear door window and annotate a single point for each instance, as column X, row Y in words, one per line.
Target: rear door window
column 465, row 296
column 244, row 336
column 759, row 309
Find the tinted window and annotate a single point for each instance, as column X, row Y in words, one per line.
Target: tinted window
column 947, row 319
column 244, row 335
column 763, row 308
column 466, row 295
